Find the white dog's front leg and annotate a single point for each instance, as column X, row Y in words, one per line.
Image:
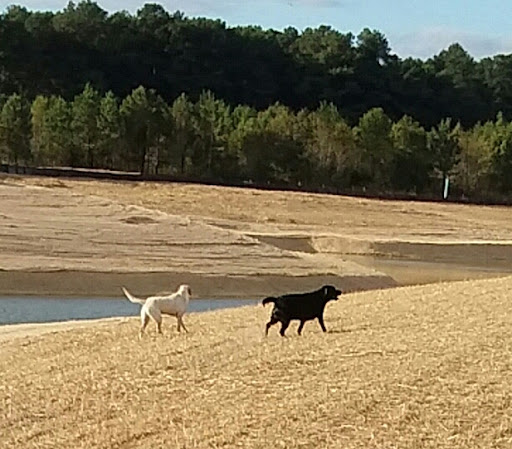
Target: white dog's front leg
column 144, row 320
column 180, row 322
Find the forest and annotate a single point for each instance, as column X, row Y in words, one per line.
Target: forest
column 161, row 93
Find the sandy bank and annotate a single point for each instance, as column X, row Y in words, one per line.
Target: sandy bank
column 14, row 331
column 55, row 241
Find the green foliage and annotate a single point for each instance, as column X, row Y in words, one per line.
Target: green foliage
column 40, row 136
column 373, row 136
column 329, row 48
column 412, row 158
column 245, row 124
column 15, row 130
column 84, row 125
column 214, row 124
column 143, row 113
column 501, row 154
column 331, row 147
column 110, row 131
column 270, row 151
column 51, row 132
column 473, row 173
column 496, row 74
column 443, row 142
column 184, row 135
column 174, row 54
column 57, row 123
column 202, row 136
column 85, row 21
column 373, row 47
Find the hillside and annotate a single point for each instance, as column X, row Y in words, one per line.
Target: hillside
column 414, row 367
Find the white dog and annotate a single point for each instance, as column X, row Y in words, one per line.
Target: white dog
column 154, row 306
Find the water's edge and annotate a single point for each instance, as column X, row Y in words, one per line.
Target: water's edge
column 24, row 310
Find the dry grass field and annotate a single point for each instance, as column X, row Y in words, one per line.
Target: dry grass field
column 412, row 367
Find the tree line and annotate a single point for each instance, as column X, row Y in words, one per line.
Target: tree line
column 57, row 53
column 210, row 140
column 317, row 108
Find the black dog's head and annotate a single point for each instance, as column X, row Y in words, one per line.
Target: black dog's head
column 330, row 293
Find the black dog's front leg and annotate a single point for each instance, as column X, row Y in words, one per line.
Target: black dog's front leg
column 301, row 326
column 272, row 321
column 321, row 321
column 284, row 326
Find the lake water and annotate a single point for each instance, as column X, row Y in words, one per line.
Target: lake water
column 44, row 310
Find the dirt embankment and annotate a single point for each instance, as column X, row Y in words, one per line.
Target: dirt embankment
column 56, row 241
column 84, row 237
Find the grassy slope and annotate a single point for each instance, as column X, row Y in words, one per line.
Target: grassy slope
column 413, row 367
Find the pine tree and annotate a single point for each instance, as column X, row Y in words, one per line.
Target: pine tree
column 15, row 130
column 84, row 124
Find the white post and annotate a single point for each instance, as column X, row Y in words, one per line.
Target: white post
column 446, row 186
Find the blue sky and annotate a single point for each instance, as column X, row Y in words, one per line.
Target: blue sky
column 413, row 27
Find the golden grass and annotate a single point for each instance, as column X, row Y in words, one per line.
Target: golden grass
column 415, row 367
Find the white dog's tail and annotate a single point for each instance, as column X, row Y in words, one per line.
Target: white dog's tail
column 133, row 298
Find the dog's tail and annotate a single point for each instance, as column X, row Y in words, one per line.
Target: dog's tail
column 269, row 300
column 133, row 298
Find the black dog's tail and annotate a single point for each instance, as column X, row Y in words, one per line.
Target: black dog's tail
column 269, row 300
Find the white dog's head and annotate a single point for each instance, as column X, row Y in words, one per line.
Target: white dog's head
column 185, row 290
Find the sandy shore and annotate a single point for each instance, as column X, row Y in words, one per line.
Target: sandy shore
column 14, row 331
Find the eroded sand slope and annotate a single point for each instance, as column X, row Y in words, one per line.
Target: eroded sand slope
column 55, row 236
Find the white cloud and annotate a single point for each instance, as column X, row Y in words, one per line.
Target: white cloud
column 430, row 41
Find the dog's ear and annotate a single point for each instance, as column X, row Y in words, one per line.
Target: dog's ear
column 189, row 291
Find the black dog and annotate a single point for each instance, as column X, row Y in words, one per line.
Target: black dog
column 301, row 306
